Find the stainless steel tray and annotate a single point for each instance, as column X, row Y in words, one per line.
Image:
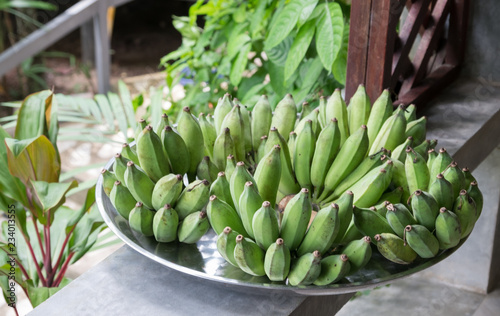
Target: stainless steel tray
column 202, row 260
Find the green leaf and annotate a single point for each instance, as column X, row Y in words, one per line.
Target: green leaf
column 299, row 48
column 309, row 6
column 31, row 121
column 10, row 186
column 279, row 53
column 86, row 207
column 38, row 295
column 235, row 45
column 106, row 110
column 85, row 233
column 284, row 24
column 337, row 25
column 156, row 106
column 24, row 4
column 257, row 18
column 277, row 78
column 309, row 80
column 119, row 112
column 340, row 64
column 85, row 185
column 51, row 196
column 324, row 40
column 127, row 103
column 239, row 65
column 240, row 15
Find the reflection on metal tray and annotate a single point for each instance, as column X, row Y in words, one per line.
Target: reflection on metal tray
column 202, row 259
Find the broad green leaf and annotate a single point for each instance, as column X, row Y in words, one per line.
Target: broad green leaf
column 86, row 207
column 339, row 69
column 52, row 195
column 324, row 40
column 31, row 121
column 6, row 289
column 299, row 48
column 38, row 295
column 278, row 54
column 240, row 65
column 240, row 15
column 309, row 6
column 247, row 83
column 257, row 18
column 88, row 224
column 10, row 186
column 156, row 106
column 338, row 27
column 284, row 24
column 235, row 45
column 106, row 110
column 119, row 112
column 277, row 78
column 308, row 81
column 127, row 104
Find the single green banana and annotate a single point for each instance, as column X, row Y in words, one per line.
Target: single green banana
column 262, row 116
column 220, row 187
column 456, row 177
column 140, row 219
column 221, row 215
column 313, row 117
column 190, row 131
column 395, row 249
column 417, row 129
column 250, row 201
column 193, row 227
column 151, row 156
column 425, row 209
column 165, row 223
column 119, row 167
column 359, row 108
column 431, row 156
column 465, row 208
column 303, row 155
column 345, row 214
column 424, row 147
column 277, row 261
column 139, row 184
column 261, row 151
column 326, row 149
column 392, row 133
column 209, row 135
column 223, row 147
column 237, row 183
column 167, row 190
column 333, row 269
column 234, row 122
column 448, row 231
column 469, row 178
column 247, row 132
column 305, row 110
column 224, row 106
column 249, row 256
column 162, row 123
column 284, row 116
column 381, row 110
column 129, row 154
column 368, row 190
column 108, row 180
column 267, row 175
column 370, row 223
column 296, row 218
column 411, row 113
column 398, row 216
column 477, row 196
column 140, row 126
column 207, row 170
column 441, row 162
column 230, row 166
column 322, row 112
column 322, row 231
column 121, row 199
column 306, row 269
column 193, row 198
column 359, row 253
column 226, row 242
column 336, row 108
column 265, row 225
column 352, row 233
column 399, row 178
column 179, row 153
column 442, row 191
column 417, row 172
column 422, row 241
column 399, row 153
column 380, row 207
column 292, row 140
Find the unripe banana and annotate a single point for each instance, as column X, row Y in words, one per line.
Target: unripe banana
column 431, row 156
column 477, row 196
column 151, row 155
column 246, row 128
column 303, row 155
column 162, row 123
column 425, row 209
column 140, row 126
column 108, row 181
column 261, row 151
column 129, row 154
column 448, row 230
column 249, row 256
column 119, row 167
column 226, row 241
column 190, row 131
column 469, row 178
column 165, row 223
column 359, row 253
column 456, row 177
column 140, row 219
column 250, row 202
column 306, row 269
column 193, row 227
column 139, row 184
column 336, row 108
column 207, row 170
column 395, row 249
column 398, row 217
column 209, row 135
column 345, row 214
column 220, row 188
column 221, row 215
column 179, row 153
column 417, row 172
column 381, row 110
column 262, row 116
column 265, row 225
column 322, row 112
column 223, row 147
column 424, row 147
column 333, row 269
column 210, row 119
column 392, row 133
column 313, row 117
column 322, row 231
column 422, row 241
column 292, row 140
column 441, row 162
column 295, row 219
column 465, row 208
column 268, row 173
column 352, row 233
column 411, row 113
column 442, row 191
column 193, row 198
column 380, row 207
column 326, row 149
column 284, row 116
column 393, row 196
column 399, row 178
column 417, row 129
column 277, row 261
column 359, row 108
column 230, row 166
column 167, row 190
column 224, row 106
column 237, row 183
column 306, row 109
column 121, row 199
column 399, row 153
column 370, row 223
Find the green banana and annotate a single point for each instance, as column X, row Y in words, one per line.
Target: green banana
column 221, row 215
column 249, row 256
column 448, row 231
column 465, row 209
column 326, row 149
column 441, row 162
column 399, row 153
column 237, row 183
column 456, row 177
column 142, row 125
column 119, row 167
column 417, row 129
column 424, row 147
column 410, row 113
column 193, row 198
column 165, row 223
column 336, row 108
column 223, row 147
column 322, row 112
column 139, row 184
column 392, row 133
column 431, row 156
column 121, row 199
column 417, row 172
column 333, row 269
column 209, row 135
column 425, row 209
column 303, row 155
column 190, row 131
column 305, row 110
column 261, row 151
column 262, row 116
column 422, row 241
column 129, row 154
column 345, row 214
column 193, row 227
column 359, row 108
column 162, row 123
column 322, row 231
column 395, row 249
column 224, row 106
column 234, row 122
column 140, row 219
column 442, row 191
column 166, row 190
column 246, row 127
column 250, row 201
column 207, row 169
column 230, row 166
column 380, row 207
column 393, row 196
column 368, row 190
column 277, row 261
column 179, row 153
column 292, row 140
column 477, row 196
column 108, row 181
column 268, row 173
column 359, row 253
column 226, row 242
column 399, row 178
column 369, row 222
column 469, row 178
column 306, row 269
column 220, row 187
column 284, row 116
column 296, row 218
column 398, row 216
column 381, row 110
column 313, row 117
column 151, row 156
column 352, row 233
column 265, row 225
